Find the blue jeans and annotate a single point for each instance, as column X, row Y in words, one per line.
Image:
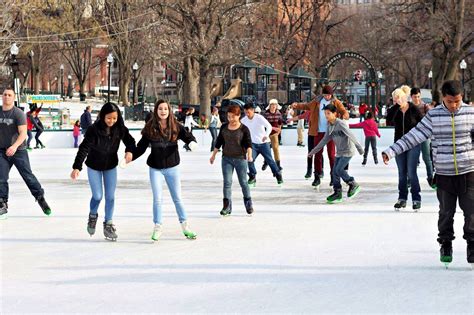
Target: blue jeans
column 240, row 165
column 265, row 151
column 213, row 131
column 338, row 172
column 30, row 136
column 110, row 182
column 172, row 177
column 22, row 163
column 407, row 163
column 426, row 155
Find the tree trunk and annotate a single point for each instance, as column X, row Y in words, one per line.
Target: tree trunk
column 124, row 91
column 37, row 79
column 190, row 94
column 205, row 80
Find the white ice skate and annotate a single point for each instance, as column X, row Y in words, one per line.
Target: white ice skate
column 157, row 231
column 187, row 232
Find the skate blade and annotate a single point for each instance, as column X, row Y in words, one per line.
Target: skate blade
column 192, row 238
column 334, row 202
column 317, row 188
column 446, row 264
column 110, row 239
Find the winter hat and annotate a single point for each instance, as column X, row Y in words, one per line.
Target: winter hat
column 273, row 101
column 327, row 89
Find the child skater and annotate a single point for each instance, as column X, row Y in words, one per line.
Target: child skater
column 76, row 131
column 370, row 131
column 100, row 146
column 162, row 133
column 235, row 139
column 339, row 132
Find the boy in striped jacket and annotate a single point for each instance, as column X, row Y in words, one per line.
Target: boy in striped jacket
column 451, row 128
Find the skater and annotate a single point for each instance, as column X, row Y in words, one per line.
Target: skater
column 86, row 120
column 451, row 128
column 13, row 152
column 162, row 133
column 213, row 125
column 370, row 131
column 76, row 131
column 405, row 115
column 317, row 128
column 100, row 146
column 415, row 94
column 339, row 132
column 273, row 115
column 236, row 141
column 39, row 130
column 29, row 123
column 188, row 124
column 260, row 130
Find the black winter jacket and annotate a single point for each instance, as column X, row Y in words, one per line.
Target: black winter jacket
column 164, row 153
column 101, row 148
column 403, row 122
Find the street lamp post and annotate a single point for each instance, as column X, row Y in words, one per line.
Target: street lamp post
column 134, row 68
column 61, row 76
column 430, row 76
column 110, row 60
column 69, row 86
column 14, row 50
column 31, row 55
column 463, row 66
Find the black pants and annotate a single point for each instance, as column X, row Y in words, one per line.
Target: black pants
column 450, row 190
column 38, row 141
column 372, row 140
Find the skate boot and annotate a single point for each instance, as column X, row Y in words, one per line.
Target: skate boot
column 264, row 166
column 400, row 204
column 279, row 166
column 3, row 209
column 354, row 189
column 376, row 161
column 364, row 162
column 227, row 208
column 470, row 253
column 157, row 231
column 446, row 253
column 29, row 149
column 92, row 223
column 336, row 197
column 252, row 182
column 416, row 206
column 279, row 178
column 44, row 205
column 109, row 231
column 316, row 182
column 308, row 174
column 248, row 205
column 190, row 235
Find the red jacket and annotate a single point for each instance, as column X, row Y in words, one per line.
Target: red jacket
column 369, row 126
column 76, row 131
column 29, row 123
column 363, row 108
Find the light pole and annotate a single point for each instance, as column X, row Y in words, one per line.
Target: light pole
column 380, row 77
column 430, row 75
column 69, row 87
column 61, row 76
column 134, row 68
column 110, row 60
column 14, row 50
column 463, row 66
column 31, row 55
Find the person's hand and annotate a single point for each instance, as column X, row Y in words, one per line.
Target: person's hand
column 128, row 157
column 75, row 174
column 212, row 158
column 385, row 158
column 11, row 150
column 264, row 138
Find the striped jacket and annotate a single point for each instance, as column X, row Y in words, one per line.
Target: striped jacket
column 452, row 138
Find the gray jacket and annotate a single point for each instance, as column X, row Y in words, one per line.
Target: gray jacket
column 344, row 139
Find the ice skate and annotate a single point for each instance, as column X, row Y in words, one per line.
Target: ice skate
column 470, row 253
column 227, row 208
column 308, row 173
column 252, row 182
column 3, row 209
column 354, row 189
column 157, row 231
column 316, row 182
column 446, row 253
column 91, row 223
column 416, row 206
column 279, row 179
column 44, row 205
column 109, row 231
column 187, row 232
column 400, row 204
column 336, row 197
column 364, row 162
column 248, row 205
column 264, row 166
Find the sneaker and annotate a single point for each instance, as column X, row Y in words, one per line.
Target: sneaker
column 279, row 178
column 3, row 209
column 470, row 252
column 109, row 231
column 354, row 189
column 446, row 252
column 187, row 232
column 44, row 205
column 91, row 223
column 252, row 182
column 157, row 231
column 416, row 205
column 336, row 197
column 400, row 204
column 227, row 207
column 248, row 205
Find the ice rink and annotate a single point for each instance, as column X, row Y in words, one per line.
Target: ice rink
column 297, row 254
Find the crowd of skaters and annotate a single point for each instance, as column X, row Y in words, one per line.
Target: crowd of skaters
column 450, row 126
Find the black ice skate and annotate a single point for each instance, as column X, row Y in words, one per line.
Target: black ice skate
column 279, row 178
column 446, row 253
column 336, row 197
column 3, row 209
column 252, row 182
column 416, row 206
column 91, row 223
column 109, row 231
column 364, row 162
column 316, row 182
column 400, row 204
column 354, row 189
column 264, row 166
column 308, row 173
column 470, row 253
column 44, row 205
column 248, row 205
column 227, row 208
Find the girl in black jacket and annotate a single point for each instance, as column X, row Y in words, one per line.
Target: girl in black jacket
column 162, row 133
column 100, row 146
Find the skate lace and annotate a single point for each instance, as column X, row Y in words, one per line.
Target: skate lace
column 110, row 228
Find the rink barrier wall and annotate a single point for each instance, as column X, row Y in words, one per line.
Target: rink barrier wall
column 64, row 139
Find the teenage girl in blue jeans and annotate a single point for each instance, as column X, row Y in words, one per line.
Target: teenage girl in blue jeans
column 162, row 133
column 100, row 146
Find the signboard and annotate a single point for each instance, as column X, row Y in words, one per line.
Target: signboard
column 45, row 99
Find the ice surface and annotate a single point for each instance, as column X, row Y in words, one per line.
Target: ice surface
column 297, row 254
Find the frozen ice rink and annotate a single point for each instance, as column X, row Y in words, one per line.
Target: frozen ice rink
column 297, row 254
